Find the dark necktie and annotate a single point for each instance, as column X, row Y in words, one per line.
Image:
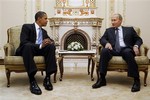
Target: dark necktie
column 40, row 37
column 117, row 44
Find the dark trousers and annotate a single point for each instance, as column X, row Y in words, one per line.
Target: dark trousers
column 127, row 54
column 30, row 50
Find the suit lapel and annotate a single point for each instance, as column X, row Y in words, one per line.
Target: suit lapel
column 113, row 35
column 124, row 31
column 34, row 32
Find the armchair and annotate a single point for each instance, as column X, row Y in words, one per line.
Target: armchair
column 15, row 63
column 118, row 64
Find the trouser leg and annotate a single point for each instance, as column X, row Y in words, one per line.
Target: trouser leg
column 28, row 52
column 104, row 60
column 50, row 59
column 28, row 55
column 129, row 56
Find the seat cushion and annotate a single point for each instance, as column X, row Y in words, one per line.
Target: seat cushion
column 19, row 60
column 119, row 60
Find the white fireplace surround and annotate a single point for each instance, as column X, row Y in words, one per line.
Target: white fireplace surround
column 62, row 27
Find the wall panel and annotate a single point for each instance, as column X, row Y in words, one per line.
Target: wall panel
column 16, row 12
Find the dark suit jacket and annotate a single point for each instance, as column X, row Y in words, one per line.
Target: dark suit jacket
column 129, row 35
column 28, row 35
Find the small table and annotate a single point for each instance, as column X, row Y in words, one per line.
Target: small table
column 88, row 54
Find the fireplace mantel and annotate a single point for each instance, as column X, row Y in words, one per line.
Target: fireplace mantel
column 57, row 21
column 62, row 25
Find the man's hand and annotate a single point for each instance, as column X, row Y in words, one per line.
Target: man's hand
column 46, row 42
column 136, row 50
column 108, row 45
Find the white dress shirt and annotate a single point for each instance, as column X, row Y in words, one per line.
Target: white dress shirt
column 121, row 41
column 37, row 34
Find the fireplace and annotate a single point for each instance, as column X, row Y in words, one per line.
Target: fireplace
column 83, row 30
column 75, row 36
column 75, row 21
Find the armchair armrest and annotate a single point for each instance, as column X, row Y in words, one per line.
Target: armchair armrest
column 98, row 49
column 144, row 50
column 9, row 49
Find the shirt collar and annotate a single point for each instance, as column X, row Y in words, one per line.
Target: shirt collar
column 120, row 27
column 37, row 26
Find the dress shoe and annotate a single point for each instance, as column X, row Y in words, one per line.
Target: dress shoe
column 47, row 84
column 34, row 88
column 136, row 86
column 99, row 83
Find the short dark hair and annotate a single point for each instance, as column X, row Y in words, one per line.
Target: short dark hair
column 39, row 14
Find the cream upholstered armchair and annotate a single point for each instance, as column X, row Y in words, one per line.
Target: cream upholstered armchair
column 15, row 63
column 118, row 64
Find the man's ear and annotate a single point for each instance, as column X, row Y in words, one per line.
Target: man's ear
column 39, row 18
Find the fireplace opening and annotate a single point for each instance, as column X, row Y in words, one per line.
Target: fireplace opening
column 76, row 36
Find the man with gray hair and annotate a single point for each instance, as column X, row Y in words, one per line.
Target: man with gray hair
column 119, row 41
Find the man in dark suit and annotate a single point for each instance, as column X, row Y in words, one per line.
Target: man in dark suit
column 119, row 41
column 35, row 41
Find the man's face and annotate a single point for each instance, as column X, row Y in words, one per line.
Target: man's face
column 43, row 21
column 115, row 21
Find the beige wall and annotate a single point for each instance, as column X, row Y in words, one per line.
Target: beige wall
column 0, row 30
column 16, row 12
column 12, row 13
column 137, row 14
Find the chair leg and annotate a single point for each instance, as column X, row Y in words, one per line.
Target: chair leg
column 61, row 68
column 42, row 72
column 8, row 77
column 145, row 77
column 89, row 61
column 92, row 70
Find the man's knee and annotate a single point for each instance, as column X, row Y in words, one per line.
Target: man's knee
column 28, row 47
column 105, row 50
column 127, row 51
column 51, row 47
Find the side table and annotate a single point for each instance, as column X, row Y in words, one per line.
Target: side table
column 89, row 54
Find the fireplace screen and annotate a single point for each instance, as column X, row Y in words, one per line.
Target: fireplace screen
column 76, row 37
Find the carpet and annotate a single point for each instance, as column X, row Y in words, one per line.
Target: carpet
column 76, row 85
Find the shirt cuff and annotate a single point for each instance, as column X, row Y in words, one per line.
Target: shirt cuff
column 40, row 47
column 136, row 46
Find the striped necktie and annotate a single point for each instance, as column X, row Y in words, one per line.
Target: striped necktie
column 117, row 44
column 40, row 37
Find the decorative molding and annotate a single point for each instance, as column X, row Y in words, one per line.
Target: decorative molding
column 75, row 8
column 37, row 5
column 57, row 23
column 124, row 11
column 115, row 6
column 25, row 11
column 58, row 3
column 92, row 3
column 111, row 10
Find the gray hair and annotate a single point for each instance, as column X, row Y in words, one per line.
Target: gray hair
column 119, row 16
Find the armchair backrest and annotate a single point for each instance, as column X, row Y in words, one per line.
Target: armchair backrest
column 137, row 29
column 13, row 34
